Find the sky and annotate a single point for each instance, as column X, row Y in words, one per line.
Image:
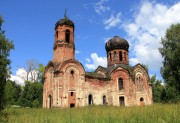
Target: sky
column 30, row 25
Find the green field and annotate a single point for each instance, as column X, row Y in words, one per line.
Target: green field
column 158, row 113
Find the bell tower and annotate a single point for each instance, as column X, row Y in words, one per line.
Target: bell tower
column 64, row 48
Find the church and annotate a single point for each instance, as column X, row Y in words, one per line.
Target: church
column 67, row 84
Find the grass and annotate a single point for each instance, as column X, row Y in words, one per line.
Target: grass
column 158, row 113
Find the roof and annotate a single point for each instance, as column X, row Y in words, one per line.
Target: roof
column 64, row 21
column 102, row 72
column 116, row 43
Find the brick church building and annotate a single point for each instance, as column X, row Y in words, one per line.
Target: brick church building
column 67, row 84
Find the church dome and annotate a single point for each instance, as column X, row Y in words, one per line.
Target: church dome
column 116, row 43
column 64, row 21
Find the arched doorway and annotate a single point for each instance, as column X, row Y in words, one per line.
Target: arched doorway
column 90, row 99
column 142, row 101
column 49, row 101
column 104, row 100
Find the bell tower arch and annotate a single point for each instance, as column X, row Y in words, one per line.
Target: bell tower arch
column 64, row 48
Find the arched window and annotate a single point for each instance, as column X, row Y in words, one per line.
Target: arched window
column 120, row 55
column 50, row 76
column 120, row 84
column 110, row 56
column 104, row 100
column 139, row 83
column 114, row 55
column 72, row 73
column 67, row 36
column 90, row 99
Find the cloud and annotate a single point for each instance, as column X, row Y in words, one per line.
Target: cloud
column 21, row 76
column 77, row 52
column 100, row 8
column 112, row 21
column 149, row 24
column 96, row 61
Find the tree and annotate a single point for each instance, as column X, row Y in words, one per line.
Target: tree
column 157, row 89
column 171, row 64
column 31, row 69
column 12, row 92
column 5, row 47
column 34, row 71
column 32, row 94
column 41, row 70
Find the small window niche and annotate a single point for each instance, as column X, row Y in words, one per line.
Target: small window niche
column 72, row 73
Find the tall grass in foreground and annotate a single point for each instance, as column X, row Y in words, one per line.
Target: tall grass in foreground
column 158, row 113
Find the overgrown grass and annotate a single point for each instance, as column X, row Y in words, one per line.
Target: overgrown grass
column 158, row 113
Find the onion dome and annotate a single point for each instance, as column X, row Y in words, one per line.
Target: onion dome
column 116, row 43
column 64, row 21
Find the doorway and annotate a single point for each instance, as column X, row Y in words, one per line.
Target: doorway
column 72, row 105
column 90, row 99
column 142, row 101
column 50, row 101
column 104, row 100
column 121, row 101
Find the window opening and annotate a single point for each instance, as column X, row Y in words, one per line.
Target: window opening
column 141, row 99
column 120, row 82
column 72, row 73
column 72, row 93
column 114, row 55
column 110, row 56
column 67, row 36
column 120, row 55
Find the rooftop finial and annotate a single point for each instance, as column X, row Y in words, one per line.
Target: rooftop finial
column 65, row 13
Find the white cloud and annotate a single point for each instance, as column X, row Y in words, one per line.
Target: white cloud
column 100, row 8
column 96, row 61
column 133, row 61
column 144, row 32
column 112, row 21
column 21, row 76
column 77, row 52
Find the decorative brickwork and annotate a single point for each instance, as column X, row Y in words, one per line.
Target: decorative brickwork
column 66, row 83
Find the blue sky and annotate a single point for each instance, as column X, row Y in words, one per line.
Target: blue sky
column 30, row 25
